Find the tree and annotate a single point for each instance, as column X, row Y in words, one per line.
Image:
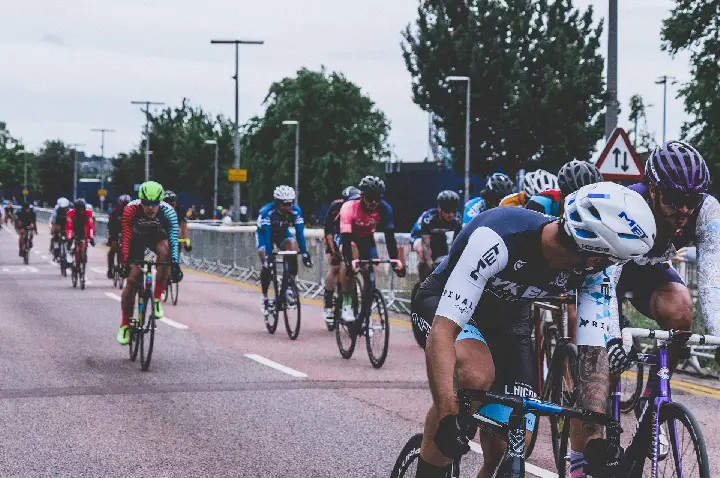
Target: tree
column 694, row 26
column 638, row 114
column 12, row 164
column 55, row 167
column 342, row 135
column 537, row 84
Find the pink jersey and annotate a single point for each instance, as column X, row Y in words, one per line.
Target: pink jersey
column 362, row 223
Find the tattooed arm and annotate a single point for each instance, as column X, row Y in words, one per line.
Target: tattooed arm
column 593, row 388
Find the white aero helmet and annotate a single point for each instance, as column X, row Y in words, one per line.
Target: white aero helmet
column 607, row 218
column 538, row 181
column 63, row 202
column 284, row 194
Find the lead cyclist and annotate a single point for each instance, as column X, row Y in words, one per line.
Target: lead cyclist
column 674, row 186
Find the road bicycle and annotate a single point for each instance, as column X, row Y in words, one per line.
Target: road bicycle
column 370, row 312
column 79, row 263
column 144, row 322
column 172, row 290
column 27, row 245
column 513, row 463
column 285, row 296
column 631, row 382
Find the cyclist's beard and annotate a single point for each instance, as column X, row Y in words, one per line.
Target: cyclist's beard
column 675, row 220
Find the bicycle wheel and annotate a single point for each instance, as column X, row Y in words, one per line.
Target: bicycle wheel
column 377, row 334
column 74, row 275
column 345, row 334
column 631, row 383
column 82, row 276
column 136, row 328
column 63, row 263
column 560, row 389
column 291, row 311
column 272, row 315
column 406, row 463
column 147, row 332
column 175, row 292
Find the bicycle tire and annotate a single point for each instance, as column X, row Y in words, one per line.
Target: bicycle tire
column 292, row 331
column 560, row 392
column 271, row 319
column 410, row 454
column 82, row 276
column 377, row 304
column 74, row 276
column 346, row 330
column 175, row 292
column 544, row 363
column 629, row 404
column 135, row 329
column 147, row 332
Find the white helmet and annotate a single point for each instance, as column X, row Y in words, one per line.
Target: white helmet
column 607, row 218
column 88, row 206
column 284, row 193
column 63, row 202
column 538, row 181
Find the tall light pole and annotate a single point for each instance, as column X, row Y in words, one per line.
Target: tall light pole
column 297, row 157
column 467, row 132
column 147, row 132
column 236, row 186
column 215, row 186
column 102, row 132
column 611, row 102
column 74, row 147
column 663, row 80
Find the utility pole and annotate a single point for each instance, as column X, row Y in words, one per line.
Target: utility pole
column 611, row 102
column 74, row 147
column 102, row 132
column 467, row 132
column 147, row 132
column 663, row 80
column 236, row 186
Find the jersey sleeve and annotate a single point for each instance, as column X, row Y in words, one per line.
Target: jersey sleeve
column 484, row 255
column 417, row 229
column 69, row 224
column 332, row 212
column 265, row 230
column 472, row 209
column 708, row 263
column 53, row 215
column 300, row 228
column 346, row 217
column 172, row 220
column 597, row 312
column 89, row 225
column 126, row 230
column 388, row 219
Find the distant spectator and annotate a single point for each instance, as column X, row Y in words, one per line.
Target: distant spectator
column 226, row 219
column 203, row 213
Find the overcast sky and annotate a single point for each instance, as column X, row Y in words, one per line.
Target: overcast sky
column 72, row 65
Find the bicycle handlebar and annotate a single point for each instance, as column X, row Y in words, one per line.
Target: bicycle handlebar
column 150, row 263
column 357, row 262
column 674, row 336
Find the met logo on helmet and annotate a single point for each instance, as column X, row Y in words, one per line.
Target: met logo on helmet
column 634, row 228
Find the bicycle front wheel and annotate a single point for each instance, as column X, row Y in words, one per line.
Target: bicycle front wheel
column 272, row 315
column 560, row 389
column 631, row 383
column 136, row 328
column 147, row 331
column 377, row 334
column 175, row 292
column 291, row 311
column 407, row 462
column 345, row 335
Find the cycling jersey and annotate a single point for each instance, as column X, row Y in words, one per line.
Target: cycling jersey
column 273, row 227
column 79, row 224
column 140, row 232
column 24, row 218
column 115, row 222
column 332, row 224
column 547, row 202
column 59, row 215
column 357, row 224
column 180, row 212
column 515, row 199
column 430, row 223
column 472, row 208
column 598, row 317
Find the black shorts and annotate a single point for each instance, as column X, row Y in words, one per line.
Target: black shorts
column 140, row 242
column 511, row 347
column 642, row 282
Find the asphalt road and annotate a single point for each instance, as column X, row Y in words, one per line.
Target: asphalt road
column 72, row 403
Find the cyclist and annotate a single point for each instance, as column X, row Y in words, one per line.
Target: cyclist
column 332, row 249
column 114, row 227
column 428, row 234
column 79, row 225
column 181, row 213
column 57, row 224
column 273, row 227
column 25, row 221
column 359, row 217
column 474, row 305
column 674, row 187
column 533, row 183
column 9, row 213
column 148, row 222
column 497, row 187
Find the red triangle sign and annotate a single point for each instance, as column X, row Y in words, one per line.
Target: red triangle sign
column 619, row 160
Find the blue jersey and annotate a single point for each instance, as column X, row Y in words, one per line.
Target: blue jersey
column 430, row 223
column 273, row 226
column 547, row 202
column 472, row 208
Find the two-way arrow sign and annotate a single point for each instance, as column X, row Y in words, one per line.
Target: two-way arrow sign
column 627, row 165
column 616, row 152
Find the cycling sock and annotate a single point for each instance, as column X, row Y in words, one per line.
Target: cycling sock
column 159, row 289
column 577, row 464
column 265, row 279
column 328, row 299
column 347, row 299
column 125, row 319
column 426, row 470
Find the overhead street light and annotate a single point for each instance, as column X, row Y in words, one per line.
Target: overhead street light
column 215, row 184
column 450, row 79
column 297, row 156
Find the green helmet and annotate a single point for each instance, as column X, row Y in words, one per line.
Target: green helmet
column 151, row 191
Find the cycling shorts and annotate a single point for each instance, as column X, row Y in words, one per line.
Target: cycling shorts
column 146, row 235
column 367, row 249
column 642, row 281
column 278, row 242
column 511, row 347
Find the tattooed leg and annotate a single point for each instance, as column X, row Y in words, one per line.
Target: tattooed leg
column 593, row 391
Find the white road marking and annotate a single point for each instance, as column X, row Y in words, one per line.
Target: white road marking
column 43, row 257
column 32, row 269
column 99, row 270
column 113, row 296
column 172, row 323
column 36, row 252
column 529, row 467
column 51, row 263
column 5, row 269
column 275, row 365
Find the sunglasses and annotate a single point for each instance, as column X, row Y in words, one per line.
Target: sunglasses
column 677, row 199
column 371, row 200
column 145, row 202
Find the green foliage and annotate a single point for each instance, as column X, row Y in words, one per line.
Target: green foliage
column 12, row 163
column 55, row 167
column 694, row 26
column 342, row 135
column 537, row 79
column 643, row 140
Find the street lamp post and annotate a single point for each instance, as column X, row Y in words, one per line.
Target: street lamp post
column 611, row 102
column 102, row 132
column 215, row 185
column 467, row 132
column 236, row 186
column 297, row 157
column 663, row 80
column 74, row 147
column 147, row 132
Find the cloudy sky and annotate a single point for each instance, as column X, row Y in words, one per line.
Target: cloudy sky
column 72, row 65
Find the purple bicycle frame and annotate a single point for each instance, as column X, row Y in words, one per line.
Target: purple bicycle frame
column 660, row 396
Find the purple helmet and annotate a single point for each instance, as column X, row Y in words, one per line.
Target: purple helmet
column 677, row 166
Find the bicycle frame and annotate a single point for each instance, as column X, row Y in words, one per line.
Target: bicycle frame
column 286, row 272
column 369, row 288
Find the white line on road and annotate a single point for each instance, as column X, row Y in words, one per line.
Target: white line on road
column 32, row 269
column 164, row 320
column 51, row 263
column 113, row 296
column 5, row 269
column 529, row 467
column 36, row 252
column 99, row 270
column 43, row 257
column 275, row 365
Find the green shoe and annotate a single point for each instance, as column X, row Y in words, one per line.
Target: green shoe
column 123, row 335
column 159, row 314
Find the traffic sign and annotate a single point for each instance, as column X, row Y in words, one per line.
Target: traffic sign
column 25, row 192
column 237, row 175
column 619, row 160
column 101, row 193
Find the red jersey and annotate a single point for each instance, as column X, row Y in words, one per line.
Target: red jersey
column 80, row 224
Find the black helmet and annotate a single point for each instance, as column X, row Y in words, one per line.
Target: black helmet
column 170, row 196
column 372, row 186
column 124, row 199
column 500, row 184
column 576, row 174
column 349, row 192
column 79, row 204
column 448, row 201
